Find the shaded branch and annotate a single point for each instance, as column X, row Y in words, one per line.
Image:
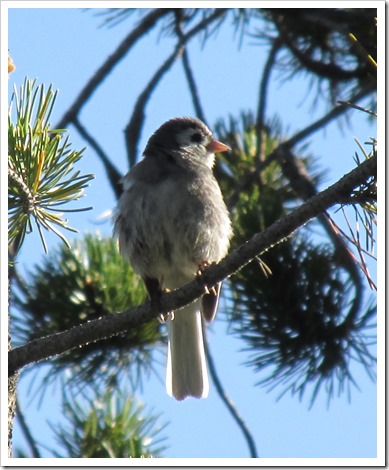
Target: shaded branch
column 298, row 137
column 27, row 197
column 302, row 184
column 78, row 336
column 113, row 173
column 135, row 125
column 144, row 26
column 327, row 118
column 231, row 406
column 321, row 68
column 27, row 433
column 263, row 94
column 188, row 71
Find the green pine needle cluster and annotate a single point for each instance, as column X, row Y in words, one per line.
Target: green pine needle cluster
column 73, row 286
column 41, row 163
column 113, row 425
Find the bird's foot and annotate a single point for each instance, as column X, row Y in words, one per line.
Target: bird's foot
column 165, row 317
column 202, row 267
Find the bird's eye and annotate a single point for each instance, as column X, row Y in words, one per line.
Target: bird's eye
column 197, row 137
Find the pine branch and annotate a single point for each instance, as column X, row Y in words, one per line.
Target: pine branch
column 327, row 118
column 113, row 173
column 188, row 70
column 231, row 406
column 144, row 26
column 27, row 433
column 59, row 343
column 263, row 95
column 27, row 198
column 135, row 125
column 294, row 140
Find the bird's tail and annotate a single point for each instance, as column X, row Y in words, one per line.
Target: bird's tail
column 186, row 373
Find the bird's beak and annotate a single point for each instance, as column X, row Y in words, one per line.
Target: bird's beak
column 215, row 146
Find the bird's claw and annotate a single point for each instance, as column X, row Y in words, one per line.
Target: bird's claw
column 165, row 317
column 202, row 266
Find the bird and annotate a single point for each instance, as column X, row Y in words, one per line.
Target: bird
column 171, row 223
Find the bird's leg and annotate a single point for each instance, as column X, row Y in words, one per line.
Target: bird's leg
column 153, row 287
column 165, row 317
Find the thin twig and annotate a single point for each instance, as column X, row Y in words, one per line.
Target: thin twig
column 230, row 405
column 105, row 327
column 262, row 102
column 113, row 173
column 192, row 86
column 359, row 108
column 134, row 127
column 327, row 118
column 252, row 176
column 27, row 196
column 188, row 71
column 144, row 26
column 27, row 433
column 362, row 264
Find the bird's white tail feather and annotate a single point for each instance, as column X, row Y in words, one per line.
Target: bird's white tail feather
column 186, row 373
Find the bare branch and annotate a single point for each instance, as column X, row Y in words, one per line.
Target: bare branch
column 135, row 125
column 188, row 71
column 327, row 118
column 78, row 336
column 263, row 93
column 113, row 173
column 27, row 433
column 298, row 137
column 144, row 26
column 231, row 406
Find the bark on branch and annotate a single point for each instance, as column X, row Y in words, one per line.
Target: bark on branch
column 78, row 336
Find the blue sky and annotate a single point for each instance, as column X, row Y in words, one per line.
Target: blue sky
column 65, row 47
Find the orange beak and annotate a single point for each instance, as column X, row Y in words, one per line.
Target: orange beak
column 215, row 146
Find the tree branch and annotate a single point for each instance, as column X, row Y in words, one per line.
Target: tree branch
column 26, row 195
column 188, row 70
column 134, row 127
column 321, row 68
column 113, row 174
column 27, row 433
column 263, row 89
column 252, row 176
column 94, row 330
column 333, row 114
column 231, row 406
column 144, row 26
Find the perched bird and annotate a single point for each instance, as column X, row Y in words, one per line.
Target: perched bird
column 171, row 222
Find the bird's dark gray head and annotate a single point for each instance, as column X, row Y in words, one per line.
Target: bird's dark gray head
column 188, row 135
column 179, row 133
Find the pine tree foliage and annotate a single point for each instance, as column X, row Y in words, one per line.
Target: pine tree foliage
column 74, row 286
column 40, row 167
column 110, row 425
column 297, row 317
